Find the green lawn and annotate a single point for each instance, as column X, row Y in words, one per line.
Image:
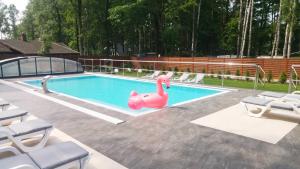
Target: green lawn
column 228, row 83
column 247, row 84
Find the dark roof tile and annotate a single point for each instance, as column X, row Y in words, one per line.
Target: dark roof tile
column 33, row 47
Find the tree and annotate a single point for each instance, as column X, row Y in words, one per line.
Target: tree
column 12, row 18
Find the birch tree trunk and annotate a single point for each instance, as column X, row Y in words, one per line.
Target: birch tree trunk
column 239, row 29
column 293, row 20
column 289, row 42
column 197, row 24
column 79, row 15
column 277, row 33
column 245, row 27
column 193, row 32
column 140, row 40
column 284, row 54
column 250, row 28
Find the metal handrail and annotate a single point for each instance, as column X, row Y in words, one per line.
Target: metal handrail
column 203, row 63
column 256, row 66
column 291, row 80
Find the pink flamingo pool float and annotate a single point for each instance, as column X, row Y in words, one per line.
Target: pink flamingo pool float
column 156, row 100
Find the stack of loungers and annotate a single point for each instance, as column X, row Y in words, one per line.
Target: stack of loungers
column 62, row 155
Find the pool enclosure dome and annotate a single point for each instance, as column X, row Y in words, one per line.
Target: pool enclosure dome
column 37, row 66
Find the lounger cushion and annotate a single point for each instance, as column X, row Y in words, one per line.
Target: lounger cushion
column 293, row 96
column 57, row 155
column 282, row 106
column 28, row 127
column 14, row 161
column 273, row 94
column 256, row 101
column 3, row 103
column 9, row 114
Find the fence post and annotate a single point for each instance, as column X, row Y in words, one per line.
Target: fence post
column 290, row 80
column 123, row 68
column 92, row 65
column 256, row 77
column 100, row 66
column 65, row 65
column 223, row 75
column 112, row 66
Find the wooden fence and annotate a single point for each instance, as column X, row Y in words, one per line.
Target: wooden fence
column 275, row 66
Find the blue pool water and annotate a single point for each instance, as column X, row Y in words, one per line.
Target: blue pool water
column 114, row 92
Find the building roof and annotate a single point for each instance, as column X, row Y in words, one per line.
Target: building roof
column 32, row 47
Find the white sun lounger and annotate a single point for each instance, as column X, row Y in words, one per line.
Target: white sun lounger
column 12, row 115
column 170, row 74
column 17, row 133
column 153, row 75
column 58, row 156
column 263, row 106
column 197, row 79
column 293, row 97
column 4, row 104
column 183, row 77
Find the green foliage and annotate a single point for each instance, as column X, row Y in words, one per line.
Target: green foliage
column 165, row 27
column 270, row 76
column 228, row 72
column 203, row 70
column 176, row 69
column 238, row 72
column 282, row 77
column 219, row 74
column 247, row 75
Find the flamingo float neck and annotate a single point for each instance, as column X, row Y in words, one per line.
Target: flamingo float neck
column 160, row 89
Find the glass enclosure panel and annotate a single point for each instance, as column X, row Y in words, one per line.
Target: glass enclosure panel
column 43, row 65
column 57, row 65
column 71, row 66
column 10, row 69
column 27, row 66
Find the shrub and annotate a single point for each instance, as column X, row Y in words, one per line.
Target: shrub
column 295, row 77
column 247, row 75
column 238, row 73
column 188, row 70
column 169, row 69
column 176, row 69
column 269, row 76
column 203, row 70
column 212, row 73
column 282, row 78
column 228, row 72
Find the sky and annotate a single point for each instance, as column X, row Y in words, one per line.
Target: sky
column 20, row 4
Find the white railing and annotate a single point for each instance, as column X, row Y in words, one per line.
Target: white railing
column 293, row 80
column 257, row 79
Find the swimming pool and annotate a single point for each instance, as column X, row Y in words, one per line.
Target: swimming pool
column 113, row 93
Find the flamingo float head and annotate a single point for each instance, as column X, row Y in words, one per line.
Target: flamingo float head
column 164, row 79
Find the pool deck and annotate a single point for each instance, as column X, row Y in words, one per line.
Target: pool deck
column 165, row 139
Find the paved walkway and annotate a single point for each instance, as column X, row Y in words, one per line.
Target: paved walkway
column 165, row 139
